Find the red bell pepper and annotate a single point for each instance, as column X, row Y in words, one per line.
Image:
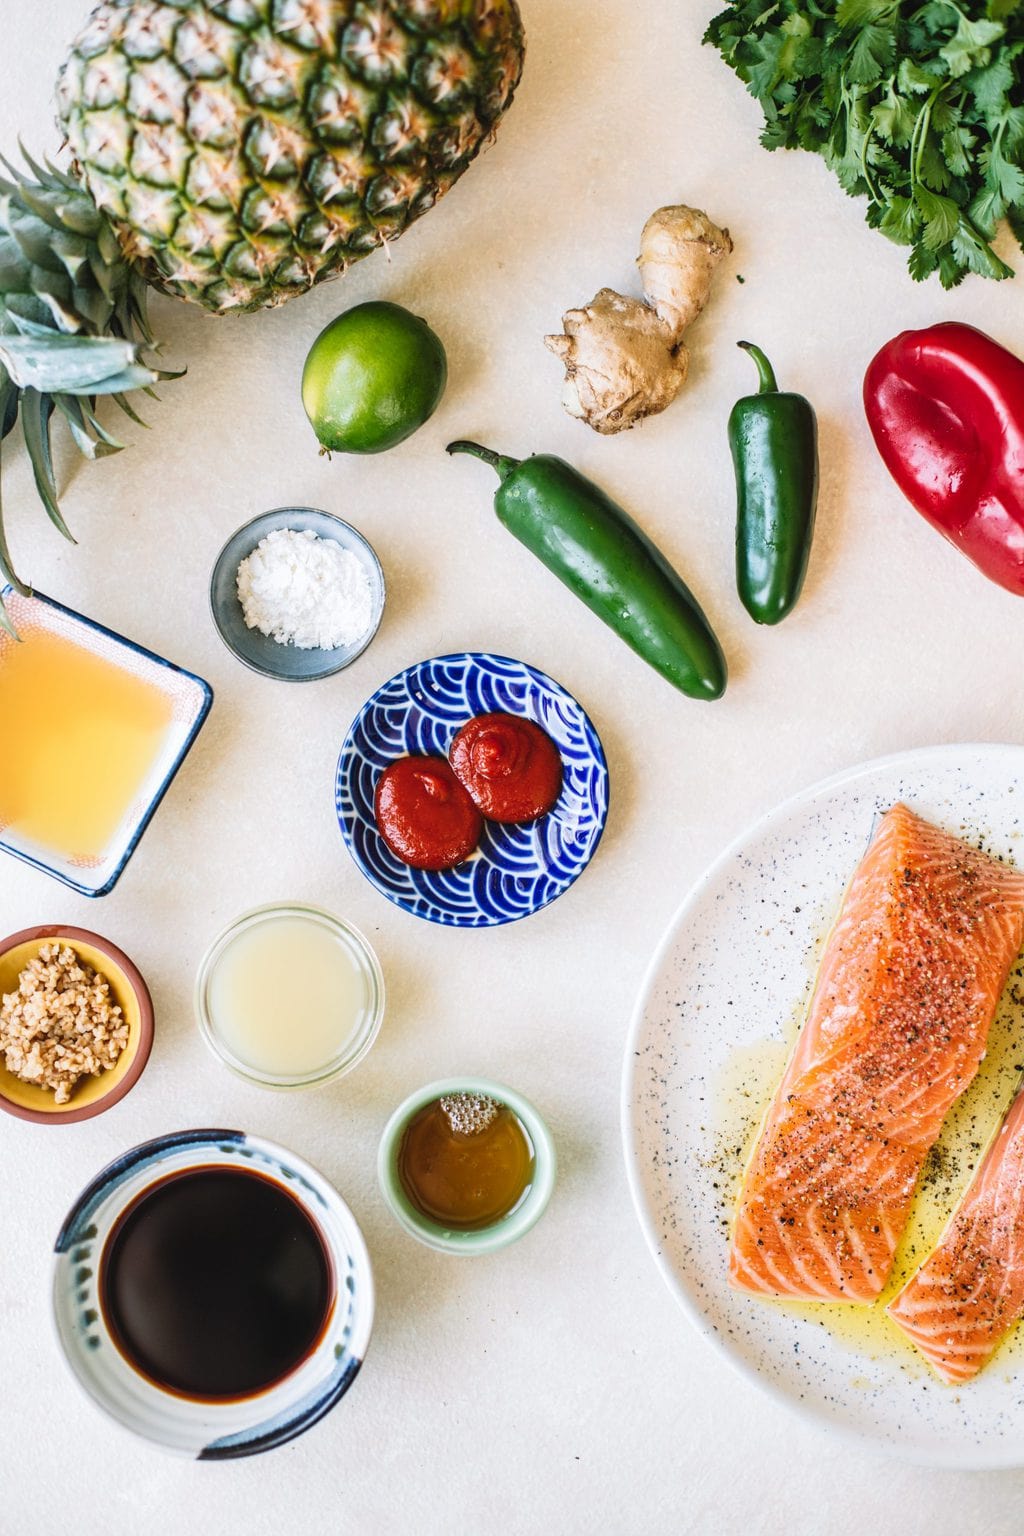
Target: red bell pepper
column 946, row 408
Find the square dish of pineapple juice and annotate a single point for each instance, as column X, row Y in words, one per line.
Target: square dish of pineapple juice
column 94, row 729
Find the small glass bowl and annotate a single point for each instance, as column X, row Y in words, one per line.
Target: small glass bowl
column 361, row 1038
column 507, row 1229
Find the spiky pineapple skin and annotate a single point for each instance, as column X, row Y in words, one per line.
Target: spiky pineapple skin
column 244, row 150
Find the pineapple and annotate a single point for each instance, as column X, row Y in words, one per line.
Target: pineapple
column 233, row 153
column 245, row 149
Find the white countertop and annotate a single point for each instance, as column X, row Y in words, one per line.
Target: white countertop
column 554, row 1387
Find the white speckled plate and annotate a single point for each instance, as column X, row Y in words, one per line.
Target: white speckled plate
column 715, row 1016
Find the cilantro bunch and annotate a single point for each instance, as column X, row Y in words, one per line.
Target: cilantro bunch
column 917, row 106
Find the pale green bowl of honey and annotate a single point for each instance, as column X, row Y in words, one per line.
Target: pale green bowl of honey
column 466, row 1165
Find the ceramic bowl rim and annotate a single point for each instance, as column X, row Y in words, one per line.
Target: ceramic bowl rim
column 167, row 1146
column 146, row 1031
column 344, row 1063
column 509, row 1228
column 347, row 656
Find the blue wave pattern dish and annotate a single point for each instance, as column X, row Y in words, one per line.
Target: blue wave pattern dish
column 517, row 869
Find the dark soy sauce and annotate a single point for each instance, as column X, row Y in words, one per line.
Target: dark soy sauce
column 215, row 1283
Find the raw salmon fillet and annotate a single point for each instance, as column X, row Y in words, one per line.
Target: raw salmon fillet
column 967, row 1296
column 905, row 997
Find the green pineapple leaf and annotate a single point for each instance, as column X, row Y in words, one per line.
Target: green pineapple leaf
column 71, row 408
column 8, row 576
column 97, row 430
column 56, row 363
column 36, row 411
column 124, row 404
column 8, row 406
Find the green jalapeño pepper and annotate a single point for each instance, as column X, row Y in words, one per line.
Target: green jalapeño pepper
column 774, row 442
column 601, row 555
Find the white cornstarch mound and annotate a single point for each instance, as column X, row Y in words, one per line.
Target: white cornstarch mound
column 306, row 591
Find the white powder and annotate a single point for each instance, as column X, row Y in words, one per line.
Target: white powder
column 305, row 591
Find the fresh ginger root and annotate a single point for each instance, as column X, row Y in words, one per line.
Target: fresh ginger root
column 624, row 358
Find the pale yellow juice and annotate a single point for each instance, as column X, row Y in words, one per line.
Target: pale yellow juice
column 78, row 738
column 286, row 996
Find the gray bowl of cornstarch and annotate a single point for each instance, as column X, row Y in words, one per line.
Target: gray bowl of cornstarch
column 297, row 594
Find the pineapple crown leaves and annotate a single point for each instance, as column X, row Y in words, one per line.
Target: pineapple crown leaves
column 73, row 326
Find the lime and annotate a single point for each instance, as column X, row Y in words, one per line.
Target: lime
column 372, row 376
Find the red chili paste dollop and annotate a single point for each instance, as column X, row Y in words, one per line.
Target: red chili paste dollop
column 509, row 765
column 424, row 814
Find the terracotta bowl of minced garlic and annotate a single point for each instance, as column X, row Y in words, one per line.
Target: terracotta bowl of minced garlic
column 76, row 1025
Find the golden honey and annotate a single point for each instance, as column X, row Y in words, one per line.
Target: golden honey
column 80, row 735
column 465, row 1162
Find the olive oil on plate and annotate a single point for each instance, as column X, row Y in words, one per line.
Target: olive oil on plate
column 81, row 737
column 743, row 1093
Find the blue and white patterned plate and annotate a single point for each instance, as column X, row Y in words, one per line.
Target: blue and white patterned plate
column 517, row 869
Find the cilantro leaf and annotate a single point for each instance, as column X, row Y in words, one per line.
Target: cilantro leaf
column 933, row 169
column 970, row 44
column 941, row 217
column 922, row 263
column 987, row 209
column 894, row 118
column 951, row 270
column 901, row 220
column 991, row 84
column 916, row 105
column 1012, row 123
column 912, row 77
column 957, row 144
column 854, row 13
column 1001, row 173
column 976, row 255
column 871, row 55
